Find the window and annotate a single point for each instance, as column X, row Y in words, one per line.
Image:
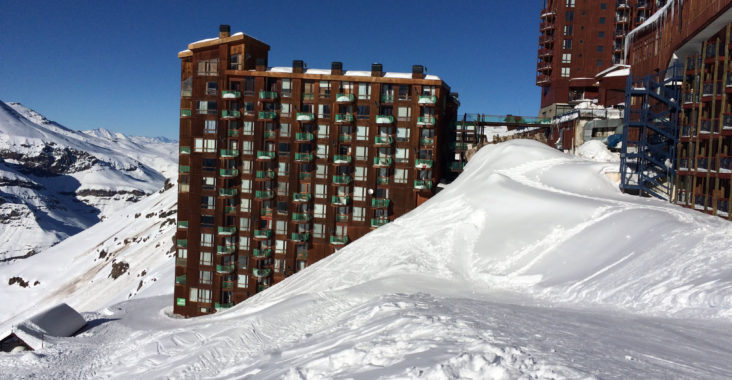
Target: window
column 280, row 246
column 318, row 230
column 243, row 260
column 404, row 90
column 248, row 108
column 359, row 193
column 204, row 277
column 322, row 151
column 208, row 67
column 565, row 72
column 209, row 126
column 245, row 205
column 599, row 48
column 569, row 16
column 244, row 224
column 204, row 295
column 599, row 63
column 242, row 281
column 361, row 153
column 323, row 131
column 285, row 110
column 184, row 183
column 358, row 214
column 205, row 258
column 324, row 89
column 280, row 227
column 603, row 6
column 211, row 88
column 247, row 148
column 284, row 129
column 402, row 134
column 235, row 62
column 362, row 133
column 320, row 191
column 284, row 149
column 323, row 111
column 321, row 171
column 363, row 112
column 402, row 155
column 566, row 44
column 308, row 92
column 282, row 208
column 204, row 145
column 282, row 188
column 206, row 107
column 247, row 128
column 570, row 3
column 282, row 169
column 279, row 265
column 568, row 30
column 286, row 88
column 207, row 221
column 400, row 175
column 208, row 203
column 602, row 20
column 567, row 58
column 246, row 166
column 404, row 113
column 319, row 210
column 601, row 34
column 360, row 173
column 194, row 295
column 208, row 164
column 364, row 91
column 246, row 186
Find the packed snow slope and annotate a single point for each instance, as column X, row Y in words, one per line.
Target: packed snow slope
column 530, row 265
column 55, row 182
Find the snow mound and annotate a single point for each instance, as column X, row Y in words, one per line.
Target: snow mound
column 596, row 150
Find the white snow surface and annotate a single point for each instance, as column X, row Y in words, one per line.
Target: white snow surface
column 596, row 150
column 530, row 265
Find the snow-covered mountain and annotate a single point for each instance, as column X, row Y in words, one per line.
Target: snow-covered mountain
column 530, row 265
column 55, row 182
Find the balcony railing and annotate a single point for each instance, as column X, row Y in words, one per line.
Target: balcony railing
column 301, row 197
column 266, row 155
column 383, row 140
column 343, row 118
column 299, row 217
column 180, row 280
column 303, row 157
column 341, row 159
column 263, row 234
column 378, row 222
column 267, row 95
column 186, row 112
column 425, row 120
column 384, row 119
column 265, row 174
column 261, row 253
column 382, row 180
column 341, row 179
column 305, row 116
column 233, row 133
column 340, row 201
column 338, row 240
column 181, row 243
column 299, row 237
column 223, row 306
column 184, row 169
column 225, row 249
column 270, row 134
column 264, row 194
column 185, row 150
column 227, row 230
column 228, row 172
column 421, row 185
column 427, row 99
column 267, row 115
column 380, row 202
column 182, row 224
column 227, row 94
column 341, row 98
column 230, row 114
column 228, row 152
column 382, row 161
column 422, row 164
column 345, row 138
column 261, row 273
column 387, row 98
column 304, row 136
column 225, row 268
column 224, row 192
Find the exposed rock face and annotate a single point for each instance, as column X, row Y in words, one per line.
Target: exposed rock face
column 119, row 268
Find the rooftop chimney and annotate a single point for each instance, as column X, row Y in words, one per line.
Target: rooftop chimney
column 377, row 70
column 224, row 31
column 298, row 66
column 417, row 72
column 336, row 68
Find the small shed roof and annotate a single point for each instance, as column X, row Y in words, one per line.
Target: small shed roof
column 61, row 320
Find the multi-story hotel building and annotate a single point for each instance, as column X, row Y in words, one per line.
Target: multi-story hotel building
column 280, row 167
column 578, row 40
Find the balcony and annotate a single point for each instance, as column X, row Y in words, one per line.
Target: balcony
column 301, row 197
column 427, row 99
column 181, row 243
column 263, row 234
column 265, row 211
column 185, row 150
column 225, row 269
column 305, row 176
column 382, row 180
column 342, row 218
column 305, row 116
column 301, row 218
column 224, row 192
column 181, row 262
column 226, row 231
column 223, row 306
column 184, row 169
column 303, row 157
column 233, row 133
column 382, row 161
column 261, row 253
column 265, row 155
column 304, row 137
column 378, row 222
column 225, row 249
column 183, row 224
column 264, row 194
column 299, row 237
column 267, row 115
column 387, row 98
column 228, row 153
column 343, row 118
column 186, row 112
column 341, row 179
column 426, row 120
column 261, row 273
column 267, row 95
column 270, row 134
column 380, row 202
column 426, row 141
column 226, row 114
column 383, row 140
column 345, row 98
column 341, row 159
column 227, row 173
column 339, row 201
column 338, row 240
column 180, row 280
column 226, row 94
column 265, row 174
column 422, row 185
column 344, row 138
column 384, row 119
column 227, row 285
column 422, row 164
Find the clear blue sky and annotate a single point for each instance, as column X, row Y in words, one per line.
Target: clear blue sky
column 113, row 64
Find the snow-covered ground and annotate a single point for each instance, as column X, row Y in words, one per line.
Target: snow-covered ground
column 530, row 265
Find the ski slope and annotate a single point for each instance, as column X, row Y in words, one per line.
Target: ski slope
column 530, row 265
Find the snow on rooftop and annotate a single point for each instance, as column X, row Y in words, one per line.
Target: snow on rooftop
column 353, row 73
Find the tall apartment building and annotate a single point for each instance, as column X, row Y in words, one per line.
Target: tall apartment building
column 579, row 39
column 280, row 167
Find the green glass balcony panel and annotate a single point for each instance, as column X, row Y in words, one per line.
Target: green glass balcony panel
column 261, row 253
column 228, row 172
column 340, row 201
column 233, row 133
column 228, row 192
column 259, row 273
column 180, row 280
column 298, row 217
column 378, row 222
column 228, row 152
column 427, row 99
column 186, row 112
column 387, row 98
column 264, row 194
column 384, row 119
column 303, row 156
column 263, row 234
column 225, row 249
column 308, row 96
column 230, row 209
column 261, row 288
column 185, row 169
column 457, row 165
column 230, row 114
column 185, row 150
column 338, row 240
column 265, row 154
column 301, row 197
column 426, row 141
column 222, row 306
column 227, row 285
column 383, row 140
column 345, row 138
column 269, row 174
column 303, row 136
column 342, row 179
column 267, row 95
column 227, row 94
column 305, row 116
column 343, row 117
column 425, row 120
column 342, row 217
column 342, row 159
column 419, row 184
column 304, row 176
column 267, row 115
column 181, row 262
column 380, row 203
column 265, row 211
column 345, row 98
column 270, row 134
column 422, row 164
column 224, row 268
column 300, row 237
column 382, row 161
column 182, row 243
column 182, row 224
column 227, row 230
column 382, row 180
